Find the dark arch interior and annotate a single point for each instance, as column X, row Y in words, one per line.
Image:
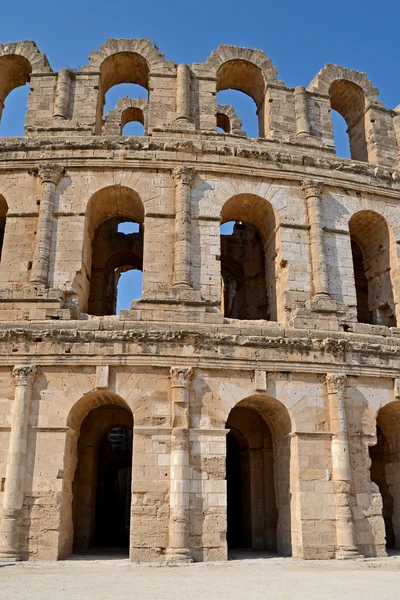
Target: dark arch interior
column 370, row 246
column 243, row 273
column 251, row 511
column 381, row 459
column 102, row 483
column 113, row 253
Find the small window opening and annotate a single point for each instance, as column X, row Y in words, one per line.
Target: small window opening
column 133, row 128
column 129, row 287
column 245, row 108
column 128, row 227
column 223, row 122
column 12, row 122
column 340, row 135
column 123, row 90
column 227, row 228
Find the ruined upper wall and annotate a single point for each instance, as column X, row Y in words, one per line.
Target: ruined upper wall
column 182, row 98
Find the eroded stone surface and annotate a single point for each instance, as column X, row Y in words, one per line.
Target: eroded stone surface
column 259, row 370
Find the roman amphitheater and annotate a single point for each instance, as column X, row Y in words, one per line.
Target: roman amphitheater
column 250, row 398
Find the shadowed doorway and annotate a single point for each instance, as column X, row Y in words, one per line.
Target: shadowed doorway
column 102, row 483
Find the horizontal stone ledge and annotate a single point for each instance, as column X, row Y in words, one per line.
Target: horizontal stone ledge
column 152, row 430
column 320, row 434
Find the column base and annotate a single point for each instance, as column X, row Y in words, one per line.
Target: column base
column 348, row 554
column 178, row 555
column 9, row 557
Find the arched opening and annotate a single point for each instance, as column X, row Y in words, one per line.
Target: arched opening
column 245, row 77
column 248, row 252
column 223, row 123
column 3, row 215
column 114, row 242
column 348, row 99
column 385, row 471
column 96, row 498
column 373, row 251
column 15, row 72
column 257, row 473
column 132, row 121
column 340, row 135
column 117, row 71
column 245, row 109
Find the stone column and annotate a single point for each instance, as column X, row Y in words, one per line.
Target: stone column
column 183, row 82
column 301, row 111
column 13, row 498
column 183, row 177
column 312, row 192
column 49, row 175
column 63, row 89
column 341, row 472
column 178, row 546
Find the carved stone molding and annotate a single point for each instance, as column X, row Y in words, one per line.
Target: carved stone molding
column 24, row 374
column 50, row 173
column 184, row 175
column 311, row 188
column 336, row 383
column 181, row 376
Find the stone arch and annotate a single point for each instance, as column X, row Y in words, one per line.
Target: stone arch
column 248, row 71
column 125, row 61
column 113, row 204
column 228, row 120
column 126, row 110
column 384, row 471
column 253, row 245
column 350, row 92
column 258, row 475
column 89, row 419
column 18, row 61
column 322, row 82
column 375, row 268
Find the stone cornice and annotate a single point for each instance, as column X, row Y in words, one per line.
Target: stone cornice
column 265, row 154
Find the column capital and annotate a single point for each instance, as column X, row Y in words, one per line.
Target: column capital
column 24, row 374
column 183, row 174
column 311, row 188
column 50, row 172
column 181, row 376
column 336, row 383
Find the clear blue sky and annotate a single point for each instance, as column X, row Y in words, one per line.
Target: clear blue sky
column 299, row 37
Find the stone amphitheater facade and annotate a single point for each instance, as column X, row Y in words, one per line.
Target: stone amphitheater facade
column 250, row 397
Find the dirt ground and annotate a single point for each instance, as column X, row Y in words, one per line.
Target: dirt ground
column 277, row 578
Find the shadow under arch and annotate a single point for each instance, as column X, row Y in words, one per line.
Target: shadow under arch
column 249, row 292
column 258, row 476
column 3, row 216
column 385, row 472
column 114, row 203
column 98, row 447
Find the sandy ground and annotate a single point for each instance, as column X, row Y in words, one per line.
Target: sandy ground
column 256, row 579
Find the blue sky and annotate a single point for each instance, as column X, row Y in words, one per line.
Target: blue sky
column 299, row 37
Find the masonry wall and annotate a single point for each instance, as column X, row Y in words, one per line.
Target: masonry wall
column 173, row 362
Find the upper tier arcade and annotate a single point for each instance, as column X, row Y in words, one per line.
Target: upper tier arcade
column 182, row 99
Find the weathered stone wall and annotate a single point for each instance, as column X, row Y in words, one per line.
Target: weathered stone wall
column 317, row 378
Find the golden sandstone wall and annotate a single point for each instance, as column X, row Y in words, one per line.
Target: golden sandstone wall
column 295, row 397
